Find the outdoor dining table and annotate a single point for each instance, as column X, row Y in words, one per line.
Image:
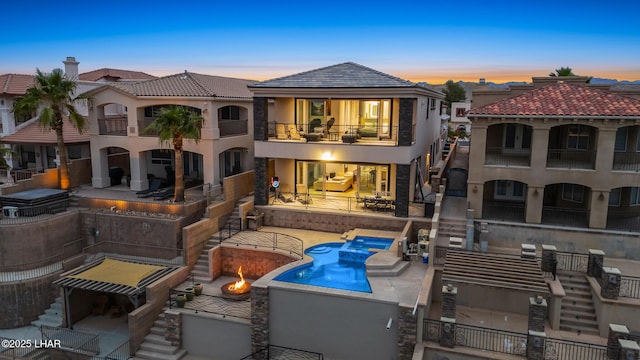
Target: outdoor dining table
column 379, row 203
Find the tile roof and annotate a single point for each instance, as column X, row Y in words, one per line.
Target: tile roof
column 15, row 84
column 560, row 100
column 189, row 85
column 98, row 74
column 345, row 75
column 33, row 133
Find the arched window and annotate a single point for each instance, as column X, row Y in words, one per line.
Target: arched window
column 230, row 112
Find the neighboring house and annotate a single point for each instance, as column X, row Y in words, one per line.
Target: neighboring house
column 459, row 118
column 35, row 148
column 120, row 140
column 561, row 153
column 345, row 130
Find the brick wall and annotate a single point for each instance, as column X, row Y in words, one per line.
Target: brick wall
column 22, row 302
column 255, row 263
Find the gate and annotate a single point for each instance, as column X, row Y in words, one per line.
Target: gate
column 457, row 182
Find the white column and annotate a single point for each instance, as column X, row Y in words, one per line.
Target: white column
column 100, row 168
column 138, row 164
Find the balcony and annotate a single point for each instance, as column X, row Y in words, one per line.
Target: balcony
column 304, row 132
column 626, row 161
column 113, row 126
column 504, row 157
column 571, row 159
column 232, row 127
column 142, row 127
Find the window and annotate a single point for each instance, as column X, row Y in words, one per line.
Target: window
column 573, row 192
column 161, row 157
column 230, row 113
column 578, row 137
column 460, row 112
column 634, row 196
column 614, row 197
column 433, row 104
column 621, row 139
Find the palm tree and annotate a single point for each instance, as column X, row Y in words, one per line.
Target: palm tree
column 51, row 97
column 173, row 124
column 563, row 71
column 4, row 152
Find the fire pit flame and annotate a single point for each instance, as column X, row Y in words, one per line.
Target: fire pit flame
column 239, row 285
column 238, row 290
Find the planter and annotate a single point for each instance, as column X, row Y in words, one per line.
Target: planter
column 197, row 288
column 189, row 293
column 254, row 222
column 180, row 299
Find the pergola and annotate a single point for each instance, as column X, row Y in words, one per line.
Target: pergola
column 114, row 277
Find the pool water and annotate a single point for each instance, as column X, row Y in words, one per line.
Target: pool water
column 337, row 265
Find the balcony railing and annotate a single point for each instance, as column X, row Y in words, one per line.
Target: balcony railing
column 623, row 220
column 142, row 127
column 503, row 157
column 571, row 159
column 337, row 133
column 626, row 161
column 565, row 216
column 233, row 127
column 503, row 211
column 113, row 126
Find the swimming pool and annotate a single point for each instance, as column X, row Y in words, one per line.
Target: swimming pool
column 337, row 265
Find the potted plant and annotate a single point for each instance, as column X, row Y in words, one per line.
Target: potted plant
column 180, row 300
column 189, row 293
column 197, row 288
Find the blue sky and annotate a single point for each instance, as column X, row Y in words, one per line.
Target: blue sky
column 416, row 40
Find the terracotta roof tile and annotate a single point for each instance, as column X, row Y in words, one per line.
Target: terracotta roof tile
column 33, row 133
column 15, row 84
column 189, row 85
column 562, row 99
column 118, row 74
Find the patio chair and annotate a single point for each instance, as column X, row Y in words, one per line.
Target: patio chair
column 293, row 132
column 281, row 132
column 153, row 187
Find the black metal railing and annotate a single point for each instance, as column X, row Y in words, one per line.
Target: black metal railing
column 622, row 220
column 626, row 161
column 283, row 353
column 233, row 127
column 571, row 159
column 503, row 211
column 503, row 157
column 573, row 262
column 630, row 287
column 12, row 215
column 72, row 339
column 271, row 240
column 113, row 126
column 475, row 337
column 231, row 228
column 568, row 349
column 122, row 352
column 336, row 133
column 565, row 216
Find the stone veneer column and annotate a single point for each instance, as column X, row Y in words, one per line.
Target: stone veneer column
column 173, row 329
column 405, row 122
column 403, row 181
column 407, row 333
column 537, row 313
column 259, row 319
column 616, row 332
column 260, row 118
column 535, row 345
column 549, row 254
column 448, row 332
column 610, row 288
column 261, row 182
column 594, row 254
column 449, row 294
column 629, row 349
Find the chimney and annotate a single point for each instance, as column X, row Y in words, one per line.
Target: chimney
column 482, row 81
column 71, row 68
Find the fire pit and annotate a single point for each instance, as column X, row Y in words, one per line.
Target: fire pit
column 237, row 290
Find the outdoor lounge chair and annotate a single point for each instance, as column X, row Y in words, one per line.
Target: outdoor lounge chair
column 293, row 132
column 281, row 132
column 163, row 194
column 153, row 187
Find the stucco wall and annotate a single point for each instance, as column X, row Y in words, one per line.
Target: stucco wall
column 614, row 244
column 213, row 337
column 337, row 326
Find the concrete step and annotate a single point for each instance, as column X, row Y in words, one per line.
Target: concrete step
column 53, row 312
column 580, row 329
column 583, row 307
column 158, row 348
column 572, row 314
column 150, row 355
column 398, row 269
column 157, row 339
column 160, row 323
column 52, row 323
column 157, row 331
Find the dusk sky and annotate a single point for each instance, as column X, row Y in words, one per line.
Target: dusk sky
column 430, row 41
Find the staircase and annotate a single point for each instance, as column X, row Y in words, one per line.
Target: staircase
column 385, row 265
column 52, row 316
column 450, row 227
column 201, row 269
column 155, row 347
column 577, row 312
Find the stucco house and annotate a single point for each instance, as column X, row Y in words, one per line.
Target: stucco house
column 121, row 112
column 562, row 153
column 345, row 130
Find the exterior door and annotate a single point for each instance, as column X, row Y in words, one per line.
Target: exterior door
column 516, row 138
column 509, row 190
